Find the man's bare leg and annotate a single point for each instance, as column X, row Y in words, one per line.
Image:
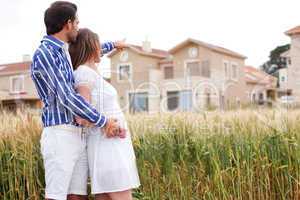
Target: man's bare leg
column 77, row 197
column 123, row 195
column 102, row 197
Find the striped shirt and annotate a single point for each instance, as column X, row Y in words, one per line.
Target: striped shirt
column 52, row 74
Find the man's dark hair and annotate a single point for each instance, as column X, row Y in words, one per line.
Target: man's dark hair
column 58, row 14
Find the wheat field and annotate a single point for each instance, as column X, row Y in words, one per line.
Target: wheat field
column 242, row 154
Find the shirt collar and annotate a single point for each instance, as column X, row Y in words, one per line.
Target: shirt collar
column 66, row 47
column 54, row 42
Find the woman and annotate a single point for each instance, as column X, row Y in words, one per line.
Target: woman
column 112, row 164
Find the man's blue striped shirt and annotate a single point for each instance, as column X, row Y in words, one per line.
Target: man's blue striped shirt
column 53, row 77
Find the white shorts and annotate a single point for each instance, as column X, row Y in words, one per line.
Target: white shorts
column 64, row 153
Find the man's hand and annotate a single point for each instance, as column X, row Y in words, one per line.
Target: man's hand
column 120, row 45
column 83, row 122
column 111, row 128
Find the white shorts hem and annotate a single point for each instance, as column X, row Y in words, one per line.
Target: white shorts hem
column 78, row 192
column 56, row 196
column 115, row 190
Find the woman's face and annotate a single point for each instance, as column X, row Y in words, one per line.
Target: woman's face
column 98, row 53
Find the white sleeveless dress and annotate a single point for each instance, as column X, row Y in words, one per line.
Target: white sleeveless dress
column 112, row 162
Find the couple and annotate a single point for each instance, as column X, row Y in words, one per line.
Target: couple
column 85, row 132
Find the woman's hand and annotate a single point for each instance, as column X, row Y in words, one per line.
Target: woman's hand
column 111, row 128
column 122, row 133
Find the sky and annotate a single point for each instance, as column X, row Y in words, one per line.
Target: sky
column 250, row 27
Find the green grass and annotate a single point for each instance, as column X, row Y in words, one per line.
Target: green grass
column 233, row 155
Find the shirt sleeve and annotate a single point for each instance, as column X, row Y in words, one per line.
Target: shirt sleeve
column 84, row 76
column 107, row 47
column 48, row 68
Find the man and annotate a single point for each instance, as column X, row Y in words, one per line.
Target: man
column 62, row 145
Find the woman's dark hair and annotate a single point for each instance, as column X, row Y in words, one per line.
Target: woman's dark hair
column 86, row 47
column 58, row 14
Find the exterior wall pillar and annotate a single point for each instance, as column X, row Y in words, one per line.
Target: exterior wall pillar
column 154, row 93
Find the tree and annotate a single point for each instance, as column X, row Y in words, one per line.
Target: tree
column 275, row 61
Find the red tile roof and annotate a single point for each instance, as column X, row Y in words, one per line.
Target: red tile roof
column 158, row 52
column 293, row 31
column 20, row 96
column 164, row 54
column 254, row 75
column 15, row 67
column 139, row 49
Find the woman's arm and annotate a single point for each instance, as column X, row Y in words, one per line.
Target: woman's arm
column 85, row 92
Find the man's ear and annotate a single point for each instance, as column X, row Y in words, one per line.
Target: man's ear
column 69, row 25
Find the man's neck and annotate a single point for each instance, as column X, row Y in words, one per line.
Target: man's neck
column 61, row 36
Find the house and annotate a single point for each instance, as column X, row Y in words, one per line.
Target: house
column 261, row 88
column 190, row 76
column 289, row 84
column 132, row 73
column 16, row 87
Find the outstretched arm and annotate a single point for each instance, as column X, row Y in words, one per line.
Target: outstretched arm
column 109, row 46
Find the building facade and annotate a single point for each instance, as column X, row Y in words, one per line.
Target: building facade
column 289, row 78
column 17, row 90
column 191, row 76
column 261, row 88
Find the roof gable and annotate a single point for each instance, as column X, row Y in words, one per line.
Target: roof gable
column 206, row 45
column 293, row 31
column 158, row 53
column 253, row 75
column 15, row 67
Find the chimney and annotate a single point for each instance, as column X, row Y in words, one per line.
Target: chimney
column 147, row 46
column 26, row 58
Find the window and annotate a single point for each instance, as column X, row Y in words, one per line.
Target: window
column 205, row 69
column 248, row 95
column 193, row 68
column 261, row 98
column 169, row 72
column 238, row 102
column 138, row 102
column 181, row 100
column 208, row 100
column 253, row 97
column 234, row 68
column 282, row 79
column 17, row 84
column 185, row 100
column 222, row 105
column 226, row 69
column 173, row 100
column 124, row 72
